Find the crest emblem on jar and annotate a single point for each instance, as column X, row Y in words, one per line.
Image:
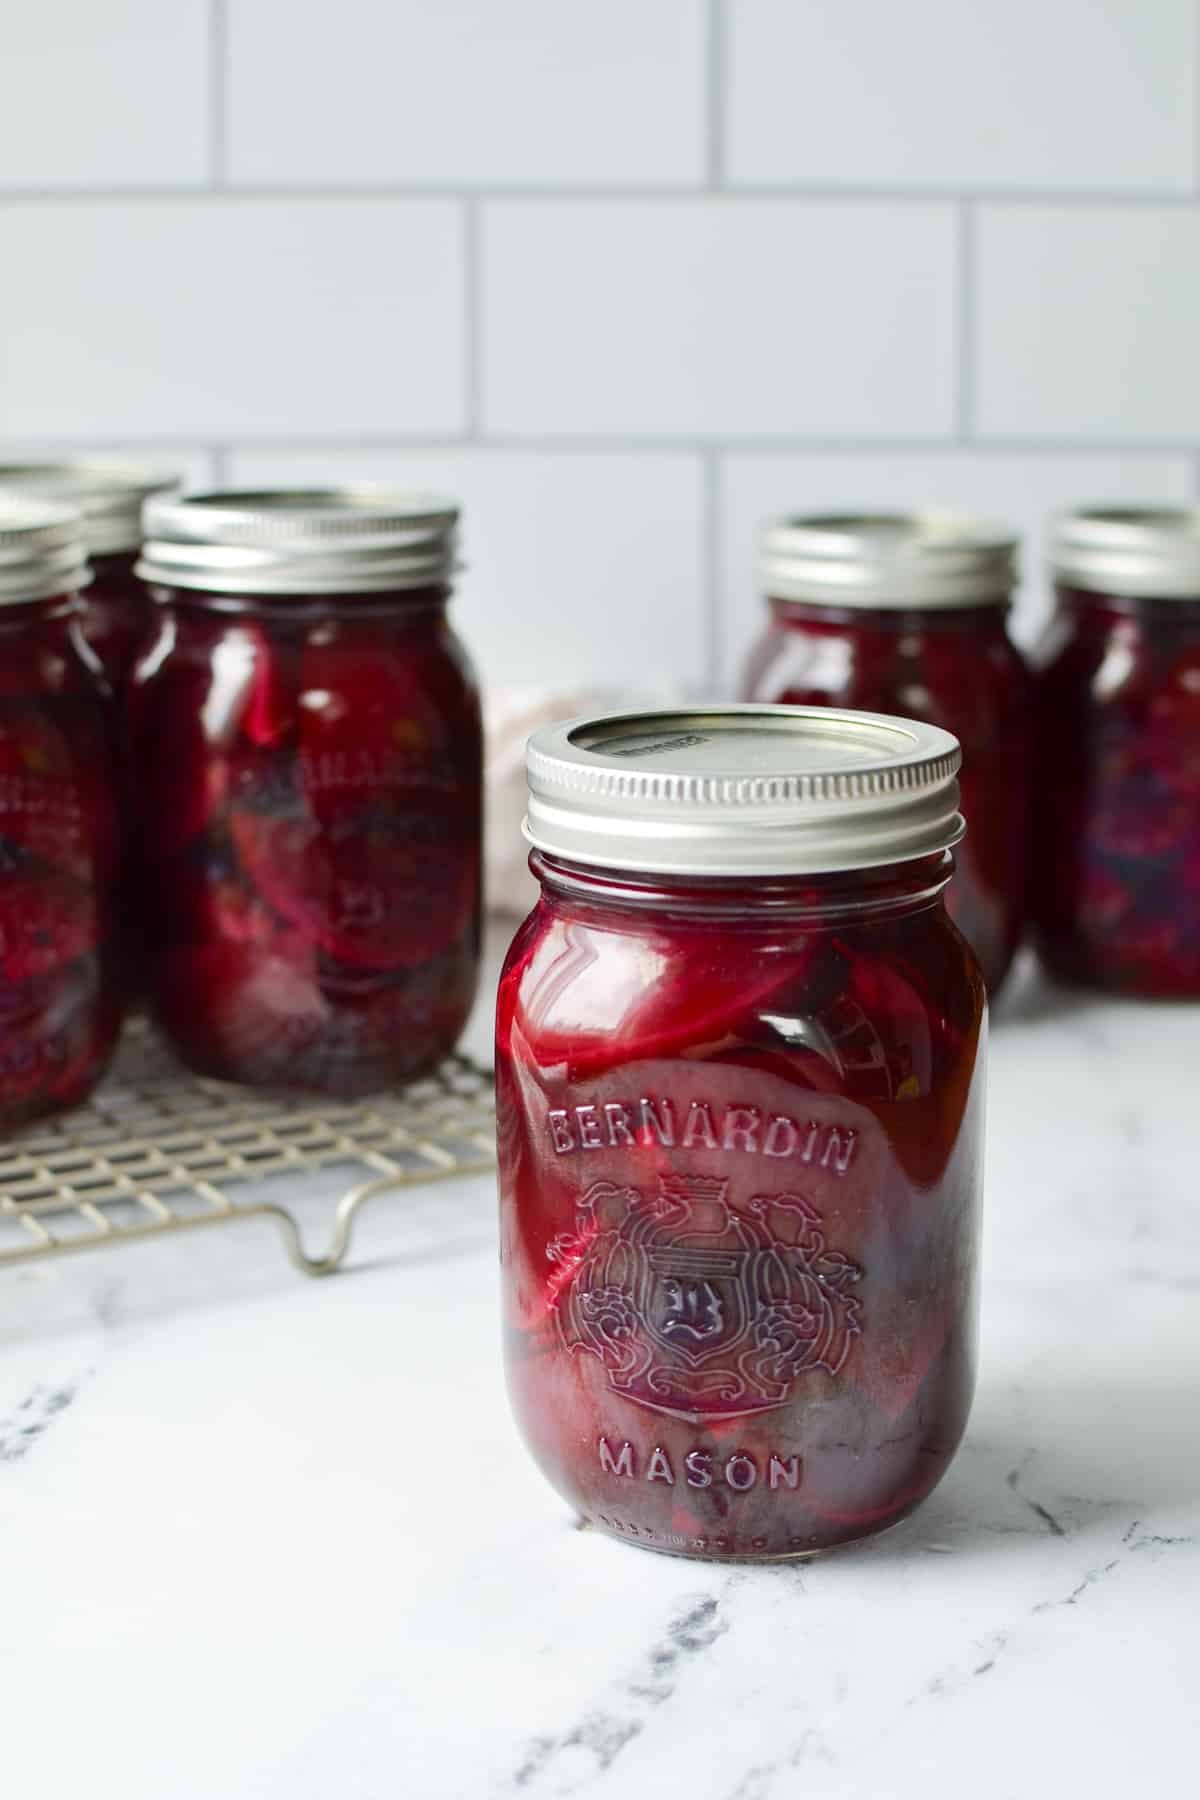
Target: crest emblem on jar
column 696, row 1308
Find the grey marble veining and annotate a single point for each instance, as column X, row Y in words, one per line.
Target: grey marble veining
column 276, row 1539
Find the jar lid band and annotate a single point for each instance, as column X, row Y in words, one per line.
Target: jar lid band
column 1151, row 552
column 300, row 541
column 41, row 550
column 743, row 790
column 882, row 560
column 108, row 495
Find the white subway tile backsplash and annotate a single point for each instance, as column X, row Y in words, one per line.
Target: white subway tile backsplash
column 98, row 95
column 581, row 569
column 212, row 318
column 1021, row 490
column 1086, row 322
column 528, row 91
column 938, row 93
column 706, row 317
column 226, row 272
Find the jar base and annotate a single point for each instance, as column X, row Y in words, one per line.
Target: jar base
column 659, row 1546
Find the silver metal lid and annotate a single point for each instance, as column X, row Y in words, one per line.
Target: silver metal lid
column 300, row 541
column 743, row 790
column 41, row 550
column 1139, row 550
column 917, row 559
column 109, row 495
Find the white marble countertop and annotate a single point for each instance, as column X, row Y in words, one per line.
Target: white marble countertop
column 267, row 1537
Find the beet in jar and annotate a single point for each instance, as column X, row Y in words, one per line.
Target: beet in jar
column 305, row 734
column 59, row 989
column 109, row 497
column 907, row 614
column 739, row 1067
column 1117, row 895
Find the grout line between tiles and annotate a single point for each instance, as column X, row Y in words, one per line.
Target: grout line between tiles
column 710, row 570
column 965, row 323
column 218, row 94
column 220, row 188
column 716, row 54
column 472, row 317
column 627, row 444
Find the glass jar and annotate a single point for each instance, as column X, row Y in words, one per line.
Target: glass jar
column 306, row 734
column 1117, row 899
column 109, row 496
column 739, row 1075
column 908, row 614
column 59, row 983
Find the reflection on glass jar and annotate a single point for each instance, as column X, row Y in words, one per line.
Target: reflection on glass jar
column 108, row 495
column 306, row 738
column 739, row 1079
column 908, row 614
column 59, row 1003
column 1117, row 897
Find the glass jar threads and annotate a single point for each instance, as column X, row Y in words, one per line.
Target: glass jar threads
column 59, row 998
column 306, row 741
column 739, row 1074
column 907, row 613
column 1117, row 897
column 109, row 496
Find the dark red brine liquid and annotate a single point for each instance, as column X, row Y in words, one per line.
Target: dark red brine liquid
column 953, row 666
column 309, row 817
column 60, row 999
column 740, row 1134
column 1117, row 889
column 117, row 613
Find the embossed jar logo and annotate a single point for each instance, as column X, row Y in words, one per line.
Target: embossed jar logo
column 698, row 1309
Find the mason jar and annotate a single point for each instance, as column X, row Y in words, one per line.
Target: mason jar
column 305, row 741
column 60, row 1003
column 109, row 497
column 908, row 613
column 739, row 1074
column 1117, row 895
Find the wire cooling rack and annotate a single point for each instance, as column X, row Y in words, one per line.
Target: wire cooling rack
column 158, row 1150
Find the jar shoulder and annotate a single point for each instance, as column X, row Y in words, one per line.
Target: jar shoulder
column 1109, row 660
column 967, row 682
column 200, row 661
column 879, row 1010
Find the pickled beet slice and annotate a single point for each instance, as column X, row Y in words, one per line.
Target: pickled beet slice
column 1119, row 827
column 693, row 997
column 363, row 888
column 46, row 920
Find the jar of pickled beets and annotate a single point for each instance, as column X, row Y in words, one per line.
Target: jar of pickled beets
column 60, row 1009
column 907, row 613
column 305, row 732
column 739, row 1070
column 1117, row 897
column 109, row 496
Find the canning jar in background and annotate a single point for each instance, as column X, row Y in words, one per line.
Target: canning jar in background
column 1117, row 895
column 306, row 746
column 109, row 496
column 60, row 1008
column 739, row 1069
column 908, row 613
